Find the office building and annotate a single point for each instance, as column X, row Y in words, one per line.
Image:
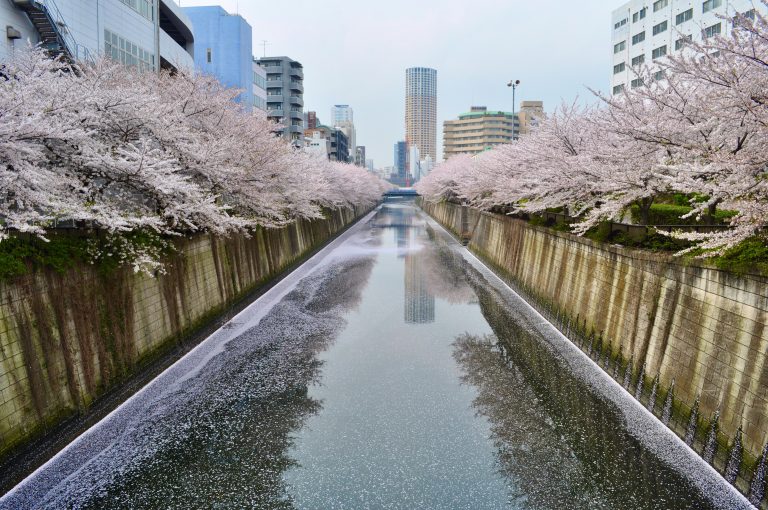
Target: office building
column 285, row 95
column 259, row 86
column 149, row 34
column 369, row 165
column 343, row 117
column 311, row 120
column 421, row 109
column 224, row 48
column 478, row 130
column 644, row 31
column 400, row 176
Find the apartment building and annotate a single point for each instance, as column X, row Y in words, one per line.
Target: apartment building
column 645, row 31
column 478, row 130
column 285, row 95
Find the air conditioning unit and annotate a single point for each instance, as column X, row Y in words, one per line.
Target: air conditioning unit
column 12, row 33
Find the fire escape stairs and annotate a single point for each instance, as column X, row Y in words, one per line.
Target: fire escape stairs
column 47, row 20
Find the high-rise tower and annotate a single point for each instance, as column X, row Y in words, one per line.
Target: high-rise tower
column 421, row 110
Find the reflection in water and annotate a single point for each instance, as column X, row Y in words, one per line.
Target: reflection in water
column 419, row 302
column 556, row 437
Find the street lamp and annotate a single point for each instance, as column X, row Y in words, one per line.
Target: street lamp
column 513, row 84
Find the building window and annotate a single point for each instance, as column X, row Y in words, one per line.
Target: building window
column 638, row 38
column 619, row 47
column 639, row 15
column 638, row 60
column 620, row 24
column 637, row 82
column 126, row 52
column 659, row 52
column 658, row 75
column 661, row 27
column 711, row 4
column 713, row 30
column 659, row 5
column 144, row 7
column 618, row 89
column 619, row 68
column 680, row 43
column 209, row 55
column 683, row 17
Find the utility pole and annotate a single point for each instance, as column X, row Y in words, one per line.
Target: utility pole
column 264, row 44
column 514, row 84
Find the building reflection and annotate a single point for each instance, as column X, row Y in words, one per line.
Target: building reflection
column 419, row 302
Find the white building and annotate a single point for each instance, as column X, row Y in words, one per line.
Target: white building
column 425, row 166
column 647, row 30
column 369, row 165
column 152, row 34
column 414, row 160
column 318, row 145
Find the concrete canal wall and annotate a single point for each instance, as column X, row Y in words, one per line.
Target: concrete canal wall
column 66, row 339
column 703, row 328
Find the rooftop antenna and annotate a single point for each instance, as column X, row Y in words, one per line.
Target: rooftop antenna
column 264, row 44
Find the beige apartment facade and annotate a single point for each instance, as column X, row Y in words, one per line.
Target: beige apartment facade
column 477, row 131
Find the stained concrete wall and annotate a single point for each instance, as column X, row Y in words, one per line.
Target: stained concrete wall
column 66, row 339
column 699, row 326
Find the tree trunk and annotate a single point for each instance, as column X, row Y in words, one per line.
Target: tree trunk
column 645, row 210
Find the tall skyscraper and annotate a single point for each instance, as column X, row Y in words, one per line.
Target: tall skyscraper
column 647, row 30
column 421, row 109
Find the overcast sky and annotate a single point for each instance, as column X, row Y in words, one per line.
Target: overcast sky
column 356, row 51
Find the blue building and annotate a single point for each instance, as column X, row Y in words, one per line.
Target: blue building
column 224, row 48
column 401, row 177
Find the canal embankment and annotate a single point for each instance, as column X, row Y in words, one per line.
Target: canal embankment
column 71, row 340
column 687, row 340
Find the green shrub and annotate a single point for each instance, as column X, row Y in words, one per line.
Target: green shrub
column 750, row 256
column 672, row 214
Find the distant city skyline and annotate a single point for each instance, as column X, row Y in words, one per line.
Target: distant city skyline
column 476, row 49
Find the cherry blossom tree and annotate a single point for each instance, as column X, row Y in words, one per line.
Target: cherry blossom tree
column 126, row 150
column 699, row 127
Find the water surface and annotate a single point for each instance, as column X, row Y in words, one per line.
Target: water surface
column 388, row 373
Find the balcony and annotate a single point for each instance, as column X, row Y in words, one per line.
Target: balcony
column 275, row 98
column 297, row 115
column 275, row 83
column 273, row 69
column 297, row 100
column 297, row 87
column 276, row 113
column 297, row 72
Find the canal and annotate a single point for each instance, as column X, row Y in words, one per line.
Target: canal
column 392, row 370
